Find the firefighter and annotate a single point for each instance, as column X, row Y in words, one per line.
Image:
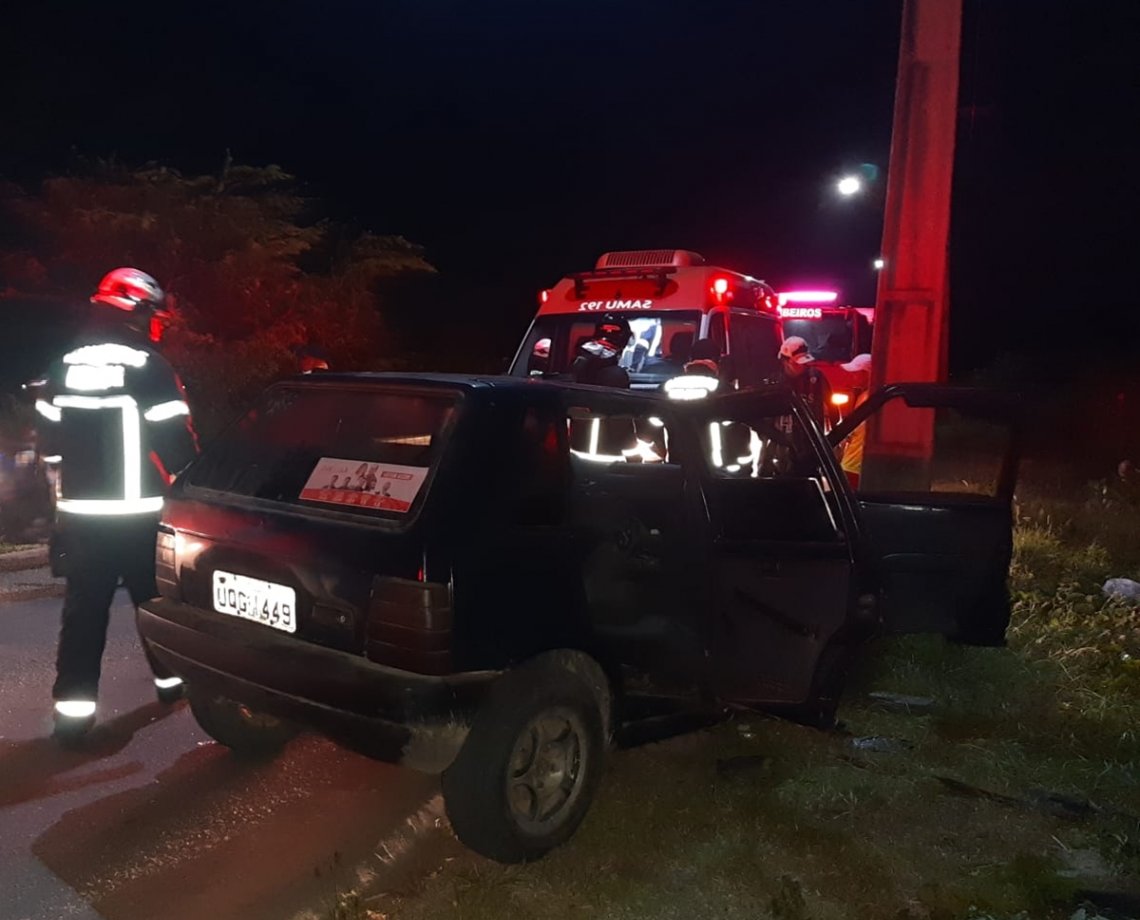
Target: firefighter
column 597, row 359
column 808, row 381
column 115, row 413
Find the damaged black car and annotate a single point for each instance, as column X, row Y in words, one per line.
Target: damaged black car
column 480, row 577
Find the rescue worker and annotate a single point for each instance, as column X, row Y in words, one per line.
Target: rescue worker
column 115, row 413
column 809, row 382
column 704, row 359
column 859, row 369
column 597, row 359
column 539, row 362
column 700, row 375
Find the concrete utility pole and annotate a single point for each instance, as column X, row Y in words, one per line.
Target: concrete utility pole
column 912, row 309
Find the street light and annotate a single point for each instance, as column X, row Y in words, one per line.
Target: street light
column 849, row 185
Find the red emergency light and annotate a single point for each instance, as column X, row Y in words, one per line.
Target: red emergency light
column 786, row 297
column 720, row 289
column 543, row 296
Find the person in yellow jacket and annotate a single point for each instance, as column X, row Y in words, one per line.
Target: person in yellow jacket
column 859, row 369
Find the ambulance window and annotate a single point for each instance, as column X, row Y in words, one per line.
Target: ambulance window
column 755, row 347
column 862, row 335
column 717, row 332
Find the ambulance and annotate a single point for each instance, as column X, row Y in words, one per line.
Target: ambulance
column 834, row 334
column 672, row 299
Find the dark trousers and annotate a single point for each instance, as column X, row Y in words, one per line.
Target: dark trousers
column 96, row 554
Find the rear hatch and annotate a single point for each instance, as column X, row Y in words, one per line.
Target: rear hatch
column 291, row 518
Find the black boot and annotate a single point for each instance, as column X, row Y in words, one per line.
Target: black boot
column 74, row 720
column 169, row 689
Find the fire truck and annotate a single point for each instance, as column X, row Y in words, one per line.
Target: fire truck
column 672, row 299
column 834, row 334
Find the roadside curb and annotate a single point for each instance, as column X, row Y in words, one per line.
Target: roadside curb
column 32, row 593
column 34, row 557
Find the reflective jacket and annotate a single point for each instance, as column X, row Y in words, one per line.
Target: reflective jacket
column 114, row 415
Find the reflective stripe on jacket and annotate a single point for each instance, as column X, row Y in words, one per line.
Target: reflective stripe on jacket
column 115, row 413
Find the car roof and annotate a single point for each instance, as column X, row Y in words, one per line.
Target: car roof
column 485, row 384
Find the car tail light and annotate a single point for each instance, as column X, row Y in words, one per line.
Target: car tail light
column 409, row 625
column 165, row 570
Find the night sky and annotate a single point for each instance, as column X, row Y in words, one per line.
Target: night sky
column 517, row 141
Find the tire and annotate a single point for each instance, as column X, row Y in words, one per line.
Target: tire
column 245, row 732
column 527, row 772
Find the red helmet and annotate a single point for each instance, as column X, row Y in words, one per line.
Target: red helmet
column 131, row 290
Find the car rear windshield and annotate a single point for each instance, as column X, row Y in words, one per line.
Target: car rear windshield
column 338, row 447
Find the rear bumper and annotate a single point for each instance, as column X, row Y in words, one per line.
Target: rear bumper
column 397, row 716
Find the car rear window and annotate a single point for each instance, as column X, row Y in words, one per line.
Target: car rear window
column 342, row 448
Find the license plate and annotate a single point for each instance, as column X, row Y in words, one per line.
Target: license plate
column 253, row 599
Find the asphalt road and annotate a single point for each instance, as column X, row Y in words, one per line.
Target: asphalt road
column 153, row 819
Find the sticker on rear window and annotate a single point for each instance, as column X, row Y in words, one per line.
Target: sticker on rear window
column 361, row 484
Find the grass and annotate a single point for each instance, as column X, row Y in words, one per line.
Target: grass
column 6, row 548
column 1015, row 791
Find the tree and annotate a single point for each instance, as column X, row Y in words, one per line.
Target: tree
column 251, row 273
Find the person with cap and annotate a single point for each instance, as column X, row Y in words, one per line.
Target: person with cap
column 808, row 381
column 114, row 413
column 539, row 362
column 597, row 360
column 859, row 374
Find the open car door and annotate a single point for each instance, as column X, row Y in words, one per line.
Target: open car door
column 934, row 503
column 782, row 583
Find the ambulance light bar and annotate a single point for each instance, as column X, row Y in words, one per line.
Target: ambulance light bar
column 785, row 297
column 660, row 275
column 649, row 258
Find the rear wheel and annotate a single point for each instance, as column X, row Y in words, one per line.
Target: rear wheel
column 528, row 770
column 244, row 731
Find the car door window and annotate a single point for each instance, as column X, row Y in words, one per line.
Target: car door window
column 536, row 463
column 603, row 437
column 767, row 479
column 923, row 450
